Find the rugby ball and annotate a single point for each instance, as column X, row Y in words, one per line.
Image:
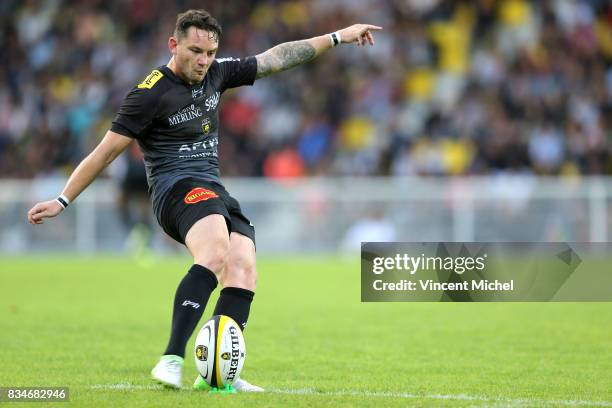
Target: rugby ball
column 220, row 351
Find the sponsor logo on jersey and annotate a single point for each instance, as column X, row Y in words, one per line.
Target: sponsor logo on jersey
column 197, row 93
column 206, row 125
column 199, row 194
column 212, row 101
column 150, row 80
column 208, row 144
column 186, row 114
column 202, row 353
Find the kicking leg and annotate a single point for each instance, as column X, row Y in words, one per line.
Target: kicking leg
column 239, row 279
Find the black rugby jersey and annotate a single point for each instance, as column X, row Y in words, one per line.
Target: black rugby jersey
column 177, row 124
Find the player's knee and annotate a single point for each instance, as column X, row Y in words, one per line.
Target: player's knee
column 214, row 257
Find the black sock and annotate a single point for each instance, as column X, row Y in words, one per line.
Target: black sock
column 235, row 303
column 189, row 302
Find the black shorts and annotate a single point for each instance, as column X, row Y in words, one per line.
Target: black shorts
column 190, row 200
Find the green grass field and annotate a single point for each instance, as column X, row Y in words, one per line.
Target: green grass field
column 98, row 326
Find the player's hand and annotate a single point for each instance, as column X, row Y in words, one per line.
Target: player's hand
column 42, row 210
column 359, row 33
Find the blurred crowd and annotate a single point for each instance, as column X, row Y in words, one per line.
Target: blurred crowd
column 450, row 88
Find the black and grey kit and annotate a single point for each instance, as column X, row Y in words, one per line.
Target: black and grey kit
column 177, row 124
column 177, row 128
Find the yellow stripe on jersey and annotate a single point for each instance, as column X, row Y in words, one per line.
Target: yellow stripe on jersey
column 150, row 80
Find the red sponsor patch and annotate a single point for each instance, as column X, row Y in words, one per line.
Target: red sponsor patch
column 199, row 194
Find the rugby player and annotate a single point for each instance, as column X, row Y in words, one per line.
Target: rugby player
column 174, row 115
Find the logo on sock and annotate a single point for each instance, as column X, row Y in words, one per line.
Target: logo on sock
column 199, row 194
column 190, row 303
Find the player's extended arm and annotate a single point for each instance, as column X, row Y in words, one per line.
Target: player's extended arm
column 290, row 54
column 109, row 148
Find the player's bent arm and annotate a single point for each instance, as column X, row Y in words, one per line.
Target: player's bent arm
column 290, row 54
column 90, row 167
column 107, row 150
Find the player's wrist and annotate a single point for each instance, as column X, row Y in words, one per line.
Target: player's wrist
column 335, row 38
column 63, row 201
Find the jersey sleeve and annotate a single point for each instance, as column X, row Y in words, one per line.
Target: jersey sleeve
column 237, row 71
column 138, row 109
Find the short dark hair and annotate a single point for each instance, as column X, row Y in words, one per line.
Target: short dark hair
column 197, row 18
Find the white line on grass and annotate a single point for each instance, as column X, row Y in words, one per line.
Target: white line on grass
column 388, row 394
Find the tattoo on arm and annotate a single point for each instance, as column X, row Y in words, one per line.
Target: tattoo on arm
column 283, row 57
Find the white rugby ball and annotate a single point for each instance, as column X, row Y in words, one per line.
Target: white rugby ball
column 220, row 351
